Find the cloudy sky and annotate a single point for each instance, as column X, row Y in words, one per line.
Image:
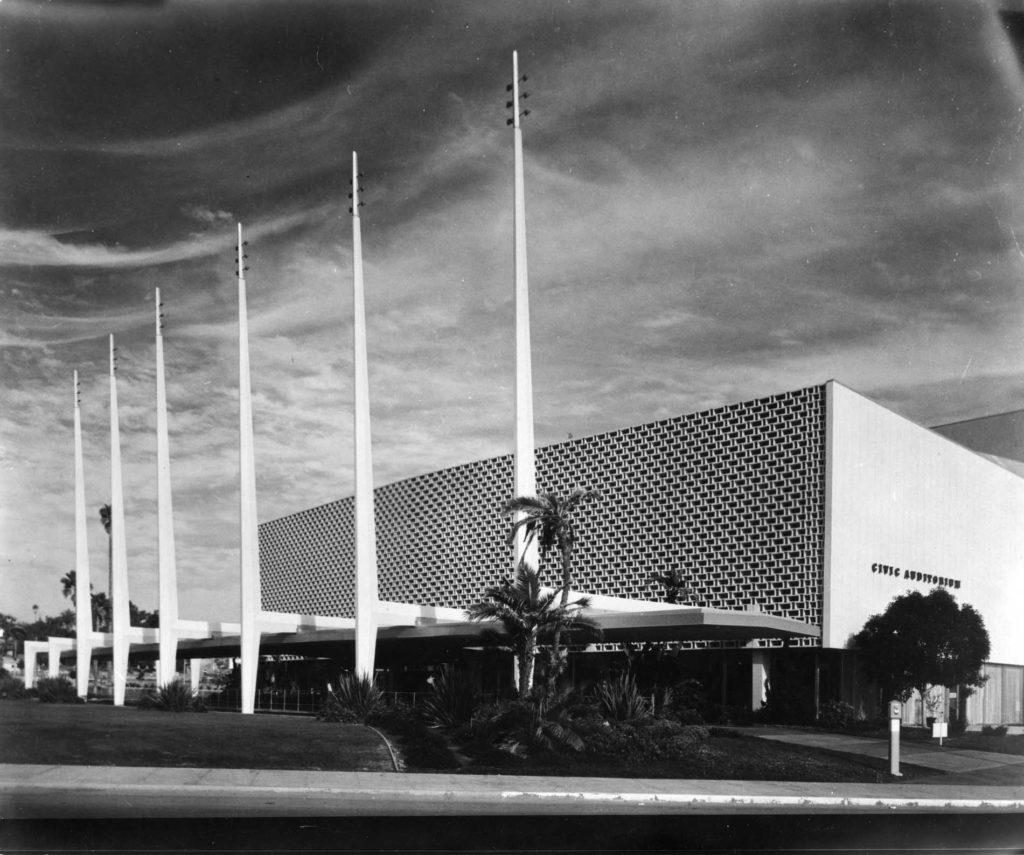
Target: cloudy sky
column 725, row 200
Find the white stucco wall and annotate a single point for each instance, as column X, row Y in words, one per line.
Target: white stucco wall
column 902, row 496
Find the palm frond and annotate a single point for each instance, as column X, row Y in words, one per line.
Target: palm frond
column 525, row 504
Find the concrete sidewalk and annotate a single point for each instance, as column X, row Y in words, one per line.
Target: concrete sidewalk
column 39, row 792
column 925, row 755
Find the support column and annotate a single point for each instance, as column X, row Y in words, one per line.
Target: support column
column 525, row 479
column 366, row 535
column 31, row 651
column 167, row 569
column 83, row 586
column 119, row 546
column 758, row 678
column 249, row 533
column 195, row 673
column 54, row 647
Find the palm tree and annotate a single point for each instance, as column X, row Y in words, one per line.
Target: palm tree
column 68, row 586
column 99, row 602
column 528, row 614
column 550, row 519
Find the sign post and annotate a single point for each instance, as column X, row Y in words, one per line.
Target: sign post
column 940, row 729
column 895, row 716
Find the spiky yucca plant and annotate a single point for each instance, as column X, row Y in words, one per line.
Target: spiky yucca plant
column 451, row 700
column 620, row 700
column 175, row 696
column 356, row 699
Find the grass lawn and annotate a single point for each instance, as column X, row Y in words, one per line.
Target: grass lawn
column 102, row 735
column 973, row 741
column 95, row 734
column 735, row 757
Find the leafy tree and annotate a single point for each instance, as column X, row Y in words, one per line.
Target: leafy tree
column 140, row 617
column 101, row 612
column 61, row 626
column 528, row 616
column 67, row 586
column 13, row 632
column 551, row 520
column 108, row 521
column 921, row 641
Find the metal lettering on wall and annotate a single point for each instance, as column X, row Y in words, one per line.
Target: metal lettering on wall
column 915, row 575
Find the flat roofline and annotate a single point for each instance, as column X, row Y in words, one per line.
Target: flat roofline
column 687, row 623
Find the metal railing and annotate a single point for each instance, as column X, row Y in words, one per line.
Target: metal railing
column 303, row 701
column 298, row 701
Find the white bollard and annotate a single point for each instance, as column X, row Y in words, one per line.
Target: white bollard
column 895, row 717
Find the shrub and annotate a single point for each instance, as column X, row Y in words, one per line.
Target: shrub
column 483, row 725
column 689, row 695
column 537, row 723
column 332, row 709
column 420, row 746
column 451, row 701
column 989, row 730
column 650, row 739
column 175, row 696
column 357, row 699
column 689, row 717
column 620, row 700
column 688, row 702
column 11, row 688
column 836, row 715
column 57, row 690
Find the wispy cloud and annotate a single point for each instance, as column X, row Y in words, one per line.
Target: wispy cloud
column 724, row 200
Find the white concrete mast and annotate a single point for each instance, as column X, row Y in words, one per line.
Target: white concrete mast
column 366, row 536
column 168, row 574
column 83, row 587
column 120, row 613
column 249, row 533
column 525, row 479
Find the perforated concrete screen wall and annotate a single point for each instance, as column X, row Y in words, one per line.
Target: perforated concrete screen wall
column 734, row 496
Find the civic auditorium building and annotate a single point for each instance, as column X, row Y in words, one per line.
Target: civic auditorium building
column 794, row 518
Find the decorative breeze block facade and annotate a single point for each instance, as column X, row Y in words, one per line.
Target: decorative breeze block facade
column 734, row 497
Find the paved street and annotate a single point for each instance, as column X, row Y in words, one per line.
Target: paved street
column 31, row 792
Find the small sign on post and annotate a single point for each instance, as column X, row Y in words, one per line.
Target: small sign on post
column 940, row 730
column 895, row 718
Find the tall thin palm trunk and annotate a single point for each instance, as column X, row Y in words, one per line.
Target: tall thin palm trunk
column 557, row 656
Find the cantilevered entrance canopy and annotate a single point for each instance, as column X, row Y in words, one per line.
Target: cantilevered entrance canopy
column 686, row 623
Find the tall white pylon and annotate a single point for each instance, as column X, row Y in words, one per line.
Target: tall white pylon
column 83, row 588
column 168, row 575
column 249, row 533
column 366, row 536
column 525, row 478
column 119, row 545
